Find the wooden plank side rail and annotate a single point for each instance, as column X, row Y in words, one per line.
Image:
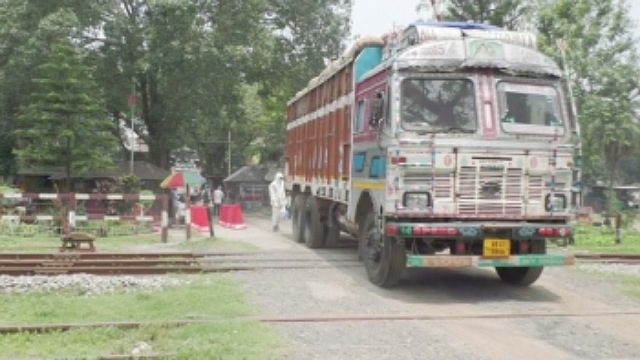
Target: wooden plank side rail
column 74, row 242
column 68, row 218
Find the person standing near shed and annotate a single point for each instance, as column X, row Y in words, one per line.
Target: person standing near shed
column 278, row 200
column 176, row 205
column 207, row 201
column 218, row 196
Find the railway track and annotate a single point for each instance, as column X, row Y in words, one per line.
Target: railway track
column 155, row 263
column 327, row 318
column 191, row 263
column 610, row 258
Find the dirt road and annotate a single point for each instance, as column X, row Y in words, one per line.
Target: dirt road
column 470, row 314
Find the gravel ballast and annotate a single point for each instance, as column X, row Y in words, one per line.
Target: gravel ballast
column 84, row 284
column 574, row 312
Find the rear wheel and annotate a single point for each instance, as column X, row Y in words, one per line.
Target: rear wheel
column 297, row 217
column 384, row 257
column 331, row 235
column 313, row 228
column 523, row 276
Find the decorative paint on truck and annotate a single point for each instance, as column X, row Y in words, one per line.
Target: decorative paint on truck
column 449, row 145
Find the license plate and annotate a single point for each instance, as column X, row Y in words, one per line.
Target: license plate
column 496, row 248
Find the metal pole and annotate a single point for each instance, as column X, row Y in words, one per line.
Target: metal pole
column 436, row 13
column 562, row 45
column 229, row 153
column 569, row 87
column 132, row 104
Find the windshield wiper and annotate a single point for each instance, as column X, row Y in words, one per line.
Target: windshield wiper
column 455, row 129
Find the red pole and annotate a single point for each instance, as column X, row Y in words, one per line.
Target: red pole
column 187, row 215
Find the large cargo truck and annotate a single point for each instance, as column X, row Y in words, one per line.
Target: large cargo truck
column 446, row 145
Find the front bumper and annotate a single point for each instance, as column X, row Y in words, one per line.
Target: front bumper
column 478, row 230
column 467, row 261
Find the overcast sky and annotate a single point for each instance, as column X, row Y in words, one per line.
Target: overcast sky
column 376, row 17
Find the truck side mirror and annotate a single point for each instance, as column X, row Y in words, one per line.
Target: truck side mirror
column 377, row 111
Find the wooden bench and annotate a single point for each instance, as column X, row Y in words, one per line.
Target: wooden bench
column 75, row 240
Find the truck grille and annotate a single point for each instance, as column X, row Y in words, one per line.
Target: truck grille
column 482, row 190
column 535, row 188
column 443, row 184
column 490, row 191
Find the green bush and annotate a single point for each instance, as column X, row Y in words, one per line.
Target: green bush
column 602, row 239
column 27, row 230
column 5, row 189
column 112, row 228
column 147, row 204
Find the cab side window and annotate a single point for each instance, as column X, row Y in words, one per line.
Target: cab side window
column 359, row 120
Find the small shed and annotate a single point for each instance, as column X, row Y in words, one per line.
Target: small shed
column 43, row 179
column 627, row 196
column 248, row 186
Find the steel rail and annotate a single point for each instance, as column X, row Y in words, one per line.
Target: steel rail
column 116, row 255
column 430, row 317
column 155, row 270
column 189, row 262
column 608, row 256
column 99, row 262
column 145, row 356
column 629, row 259
column 330, row 318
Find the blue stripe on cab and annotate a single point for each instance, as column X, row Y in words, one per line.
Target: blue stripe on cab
column 378, row 167
column 369, row 58
column 358, row 161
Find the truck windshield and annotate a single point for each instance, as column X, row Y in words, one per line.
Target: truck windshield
column 530, row 109
column 438, row 105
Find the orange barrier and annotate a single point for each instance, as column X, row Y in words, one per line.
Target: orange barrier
column 231, row 216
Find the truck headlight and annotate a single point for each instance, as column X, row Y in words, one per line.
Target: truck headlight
column 555, row 202
column 416, row 200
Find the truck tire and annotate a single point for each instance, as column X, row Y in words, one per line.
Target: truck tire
column 523, row 276
column 297, row 218
column 519, row 276
column 331, row 236
column 313, row 228
column 384, row 257
column 362, row 225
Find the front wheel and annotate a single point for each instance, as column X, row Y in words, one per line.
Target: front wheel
column 384, row 257
column 519, row 276
column 523, row 276
column 297, row 217
column 313, row 232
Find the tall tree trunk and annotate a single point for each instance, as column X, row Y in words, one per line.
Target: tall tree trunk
column 613, row 158
column 67, row 169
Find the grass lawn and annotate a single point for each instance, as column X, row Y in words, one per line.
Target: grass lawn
column 207, row 296
column 602, row 240
column 198, row 242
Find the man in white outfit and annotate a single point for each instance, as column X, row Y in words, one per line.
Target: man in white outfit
column 278, row 200
column 218, row 195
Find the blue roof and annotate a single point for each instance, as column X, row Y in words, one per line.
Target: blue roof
column 457, row 24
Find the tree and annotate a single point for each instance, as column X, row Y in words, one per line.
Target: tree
column 191, row 63
column 63, row 124
column 511, row 14
column 306, row 35
column 604, row 68
column 27, row 28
